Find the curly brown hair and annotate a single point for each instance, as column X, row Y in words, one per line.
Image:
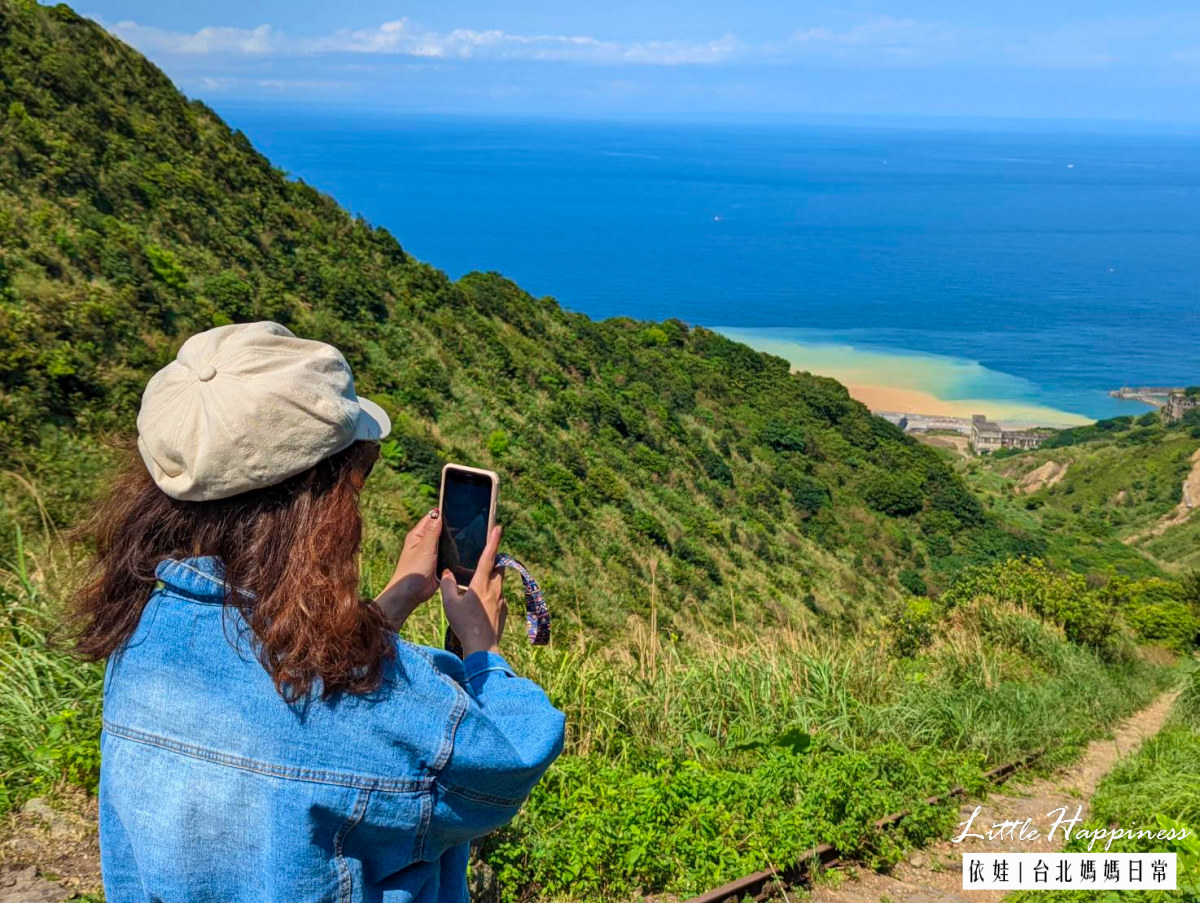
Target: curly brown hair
column 290, row 554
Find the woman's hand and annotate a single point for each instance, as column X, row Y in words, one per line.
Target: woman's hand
column 415, row 579
column 477, row 616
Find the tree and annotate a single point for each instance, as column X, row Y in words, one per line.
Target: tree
column 898, row 495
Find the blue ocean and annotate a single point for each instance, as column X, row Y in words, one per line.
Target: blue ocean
column 1018, row 267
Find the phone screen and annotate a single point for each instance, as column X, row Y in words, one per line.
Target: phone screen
column 466, row 508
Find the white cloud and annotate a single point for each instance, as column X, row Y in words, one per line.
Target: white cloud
column 403, row 37
column 301, row 84
column 219, row 84
column 909, row 40
column 682, row 52
column 882, row 35
column 885, row 40
column 262, row 39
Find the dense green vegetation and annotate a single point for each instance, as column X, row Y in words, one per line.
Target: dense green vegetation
column 49, row 702
column 1133, row 430
column 742, row 753
column 131, row 217
column 696, row 757
column 1098, row 616
column 1157, row 787
column 778, row 618
column 1116, row 506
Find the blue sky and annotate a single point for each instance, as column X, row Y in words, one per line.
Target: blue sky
column 1050, row 59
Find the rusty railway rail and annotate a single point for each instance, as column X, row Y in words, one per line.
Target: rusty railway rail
column 762, row 885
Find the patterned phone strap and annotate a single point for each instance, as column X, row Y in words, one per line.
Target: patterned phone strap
column 537, row 614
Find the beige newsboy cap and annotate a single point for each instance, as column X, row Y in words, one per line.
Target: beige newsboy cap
column 246, row 406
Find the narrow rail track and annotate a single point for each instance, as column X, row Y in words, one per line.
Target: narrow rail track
column 762, row 885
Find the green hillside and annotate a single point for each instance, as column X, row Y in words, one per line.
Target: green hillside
column 1107, row 496
column 131, row 217
column 753, row 646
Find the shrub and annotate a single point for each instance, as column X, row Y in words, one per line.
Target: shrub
column 809, row 495
column 939, row 545
column 715, row 466
column 603, row 484
column 230, row 295
column 687, row 549
column 782, row 436
column 911, row 580
column 1158, row 611
column 1087, row 616
column 898, row 495
column 911, row 627
column 497, row 442
column 1173, row 624
column 650, row 527
column 166, row 267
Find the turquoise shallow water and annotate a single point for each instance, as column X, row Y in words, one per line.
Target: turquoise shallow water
column 1039, row 269
column 962, row 387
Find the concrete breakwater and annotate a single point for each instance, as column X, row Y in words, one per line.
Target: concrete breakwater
column 915, row 422
column 1152, row 395
column 983, row 436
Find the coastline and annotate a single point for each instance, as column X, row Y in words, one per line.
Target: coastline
column 890, row 399
column 901, row 381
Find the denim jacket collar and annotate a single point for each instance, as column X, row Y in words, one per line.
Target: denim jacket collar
column 199, row 578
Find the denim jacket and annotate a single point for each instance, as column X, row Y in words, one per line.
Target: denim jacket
column 212, row 788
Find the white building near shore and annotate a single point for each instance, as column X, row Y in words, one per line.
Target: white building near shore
column 989, row 437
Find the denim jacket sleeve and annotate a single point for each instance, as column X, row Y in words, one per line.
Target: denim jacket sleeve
column 507, row 738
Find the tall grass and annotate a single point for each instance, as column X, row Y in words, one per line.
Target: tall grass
column 49, row 701
column 1158, row 786
column 1163, row 777
column 693, row 756
column 995, row 681
column 687, row 760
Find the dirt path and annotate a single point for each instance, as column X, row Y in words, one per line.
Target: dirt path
column 41, row 842
column 1047, row 474
column 37, row 841
column 1188, row 502
column 934, row 875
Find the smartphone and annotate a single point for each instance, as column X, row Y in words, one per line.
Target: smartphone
column 467, row 500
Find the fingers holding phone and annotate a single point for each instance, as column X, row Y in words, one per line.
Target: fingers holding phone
column 467, row 500
column 478, row 614
column 415, row 579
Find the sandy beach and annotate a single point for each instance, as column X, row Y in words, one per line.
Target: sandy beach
column 893, row 380
column 915, row 401
column 891, row 398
